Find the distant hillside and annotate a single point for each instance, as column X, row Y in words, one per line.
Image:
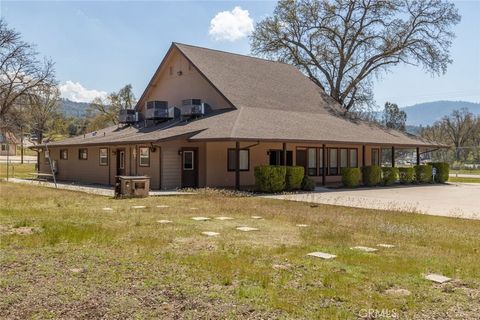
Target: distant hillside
column 429, row 112
column 73, row 109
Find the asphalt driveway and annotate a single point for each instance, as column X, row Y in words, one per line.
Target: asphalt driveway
column 461, row 200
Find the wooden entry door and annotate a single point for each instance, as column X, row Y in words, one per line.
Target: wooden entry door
column 120, row 162
column 189, row 168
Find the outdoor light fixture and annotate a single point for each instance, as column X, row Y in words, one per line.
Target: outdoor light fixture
column 180, row 152
column 179, row 73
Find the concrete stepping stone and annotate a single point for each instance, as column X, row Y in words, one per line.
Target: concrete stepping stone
column 256, row 217
column 322, row 255
column 364, row 249
column 398, row 292
column 77, row 270
column 437, row 278
column 210, row 233
column 385, row 245
column 302, row 225
column 281, row 266
column 246, row 229
column 224, row 218
column 164, row 221
column 107, row 209
column 200, row 218
column 138, row 207
column 163, row 206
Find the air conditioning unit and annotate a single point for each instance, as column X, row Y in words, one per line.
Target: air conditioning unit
column 128, row 116
column 159, row 110
column 192, row 107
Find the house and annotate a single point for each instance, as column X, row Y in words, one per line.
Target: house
column 217, row 109
column 8, row 144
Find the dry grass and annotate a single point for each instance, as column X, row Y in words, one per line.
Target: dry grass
column 464, row 180
column 17, row 170
column 135, row 267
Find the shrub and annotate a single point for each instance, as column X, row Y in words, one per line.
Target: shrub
column 389, row 175
column 406, row 175
column 423, row 173
column 443, row 170
column 372, row 175
column 308, row 184
column 294, row 177
column 351, row 177
column 270, row 178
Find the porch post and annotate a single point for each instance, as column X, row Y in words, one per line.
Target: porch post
column 363, row 155
column 418, row 156
column 237, row 165
column 324, row 164
column 284, row 154
column 393, row 156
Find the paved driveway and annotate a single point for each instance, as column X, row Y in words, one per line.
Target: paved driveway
column 460, row 200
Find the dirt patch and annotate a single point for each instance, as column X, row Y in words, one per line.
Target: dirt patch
column 7, row 230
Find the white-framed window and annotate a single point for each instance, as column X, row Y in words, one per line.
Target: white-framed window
column 103, row 153
column 244, row 160
column 144, row 159
column 188, row 160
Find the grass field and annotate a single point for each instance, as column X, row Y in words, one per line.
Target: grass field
column 464, row 180
column 17, row 170
column 130, row 266
column 465, row 171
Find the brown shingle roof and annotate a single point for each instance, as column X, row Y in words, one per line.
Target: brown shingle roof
column 273, row 101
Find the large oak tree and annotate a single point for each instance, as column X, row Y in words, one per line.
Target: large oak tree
column 342, row 44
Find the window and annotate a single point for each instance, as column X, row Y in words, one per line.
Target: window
column 333, row 164
column 83, row 154
column 103, row 156
column 386, row 160
column 244, row 160
column 144, row 157
column 320, row 161
column 4, row 147
column 312, row 161
column 375, row 157
column 47, row 154
column 121, row 159
column 276, row 157
column 353, row 161
column 343, row 158
column 63, row 154
column 188, row 160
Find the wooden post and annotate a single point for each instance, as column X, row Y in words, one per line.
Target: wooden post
column 363, row 155
column 418, row 156
column 284, row 154
column 324, row 164
column 237, row 165
column 393, row 156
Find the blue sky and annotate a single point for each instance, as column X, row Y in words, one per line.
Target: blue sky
column 101, row 46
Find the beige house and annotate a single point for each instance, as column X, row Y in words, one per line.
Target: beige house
column 220, row 109
column 8, row 144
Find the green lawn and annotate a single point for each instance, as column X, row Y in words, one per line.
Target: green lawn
column 17, row 170
column 465, row 171
column 137, row 268
column 464, row 180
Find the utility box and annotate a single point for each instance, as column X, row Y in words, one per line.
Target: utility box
column 132, row 186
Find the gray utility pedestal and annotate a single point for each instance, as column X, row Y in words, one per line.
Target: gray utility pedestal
column 132, row 186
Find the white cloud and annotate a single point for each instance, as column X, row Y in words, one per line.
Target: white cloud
column 76, row 92
column 231, row 25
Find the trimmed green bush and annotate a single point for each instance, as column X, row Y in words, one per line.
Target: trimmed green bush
column 372, row 175
column 308, row 184
column 294, row 177
column 443, row 171
column 351, row 177
column 270, row 178
column 406, row 175
column 389, row 175
column 423, row 173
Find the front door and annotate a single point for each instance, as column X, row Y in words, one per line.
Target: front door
column 189, row 168
column 120, row 162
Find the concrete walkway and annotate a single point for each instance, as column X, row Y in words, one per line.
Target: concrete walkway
column 91, row 189
column 461, row 200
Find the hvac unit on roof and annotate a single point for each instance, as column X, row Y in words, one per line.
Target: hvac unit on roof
column 192, row 107
column 128, row 116
column 159, row 110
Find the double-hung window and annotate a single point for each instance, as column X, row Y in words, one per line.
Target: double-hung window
column 144, row 159
column 103, row 154
column 83, row 154
column 244, row 159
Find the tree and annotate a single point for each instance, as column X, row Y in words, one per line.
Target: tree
column 393, row 117
column 43, row 110
column 21, row 73
column 459, row 128
column 105, row 111
column 342, row 44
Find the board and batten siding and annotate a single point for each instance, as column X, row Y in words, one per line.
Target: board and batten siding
column 171, row 168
